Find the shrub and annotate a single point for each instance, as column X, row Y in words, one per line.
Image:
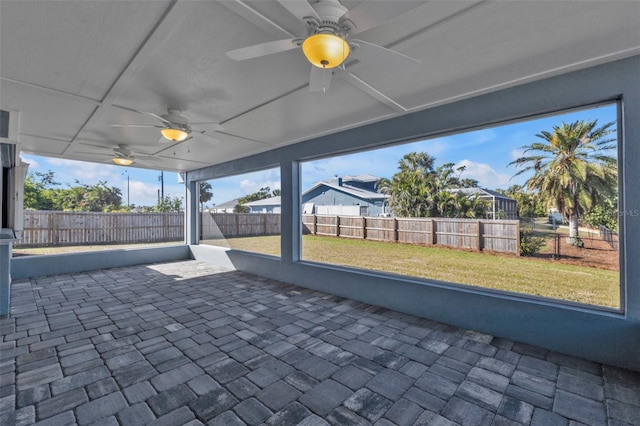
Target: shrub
column 530, row 242
column 577, row 242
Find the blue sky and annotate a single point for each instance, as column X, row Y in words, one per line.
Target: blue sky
column 485, row 153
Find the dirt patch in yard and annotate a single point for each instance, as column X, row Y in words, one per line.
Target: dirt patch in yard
column 596, row 253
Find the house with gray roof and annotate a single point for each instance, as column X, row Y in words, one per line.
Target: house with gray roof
column 346, row 196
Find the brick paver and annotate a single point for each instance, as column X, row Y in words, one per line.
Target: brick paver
column 190, row 343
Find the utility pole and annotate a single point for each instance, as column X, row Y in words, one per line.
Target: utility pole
column 161, row 179
column 128, row 203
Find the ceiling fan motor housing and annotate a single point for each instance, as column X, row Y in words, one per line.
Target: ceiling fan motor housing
column 326, row 46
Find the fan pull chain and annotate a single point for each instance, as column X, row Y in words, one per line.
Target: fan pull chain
column 324, row 80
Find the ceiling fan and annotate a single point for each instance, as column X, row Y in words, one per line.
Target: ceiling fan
column 174, row 127
column 327, row 43
column 124, row 156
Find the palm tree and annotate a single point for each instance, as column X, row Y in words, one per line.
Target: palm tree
column 206, row 193
column 412, row 188
column 383, row 185
column 572, row 169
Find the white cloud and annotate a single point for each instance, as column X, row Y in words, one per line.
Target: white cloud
column 83, row 171
column 248, row 186
column 33, row 164
column 486, row 175
column 516, row 153
column 145, row 194
column 252, row 182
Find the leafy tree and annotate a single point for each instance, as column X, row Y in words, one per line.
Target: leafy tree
column 420, row 190
column 239, row 208
column 529, row 204
column 412, row 191
column 605, row 214
column 168, row 204
column 383, row 185
column 469, row 183
column 38, row 194
column 261, row 194
column 41, row 194
column 91, row 198
column 572, row 168
column 206, row 193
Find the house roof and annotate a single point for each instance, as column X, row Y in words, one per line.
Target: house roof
column 226, row 204
column 351, row 190
column 360, row 178
column 272, row 201
column 482, row 192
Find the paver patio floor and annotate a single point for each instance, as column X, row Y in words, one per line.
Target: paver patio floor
column 190, row 343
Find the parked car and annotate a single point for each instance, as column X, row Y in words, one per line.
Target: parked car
column 555, row 217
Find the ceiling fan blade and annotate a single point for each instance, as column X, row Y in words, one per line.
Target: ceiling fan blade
column 319, row 79
column 382, row 61
column 93, row 153
column 147, row 158
column 205, row 137
column 369, row 14
column 262, row 49
column 134, row 125
column 372, row 91
column 156, row 116
column 213, row 126
column 300, row 9
column 144, row 162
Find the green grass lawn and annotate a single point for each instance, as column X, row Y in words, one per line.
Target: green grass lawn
column 510, row 273
column 501, row 272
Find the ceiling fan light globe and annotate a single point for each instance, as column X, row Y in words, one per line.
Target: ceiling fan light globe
column 120, row 161
column 174, row 135
column 325, row 50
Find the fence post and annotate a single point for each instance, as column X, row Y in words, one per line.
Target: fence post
column 55, row 237
column 517, row 225
column 434, row 237
column 337, row 226
column 364, row 228
column 479, row 236
column 396, row 236
column 315, row 224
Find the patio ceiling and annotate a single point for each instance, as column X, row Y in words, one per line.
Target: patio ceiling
column 71, row 69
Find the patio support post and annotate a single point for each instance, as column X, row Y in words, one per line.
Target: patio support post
column 290, row 229
column 191, row 213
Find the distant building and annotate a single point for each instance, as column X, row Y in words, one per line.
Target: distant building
column 357, row 196
column 346, row 196
column 500, row 206
column 266, row 205
column 226, row 207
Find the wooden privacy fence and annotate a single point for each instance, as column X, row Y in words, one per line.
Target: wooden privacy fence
column 495, row 235
column 56, row 228
column 229, row 225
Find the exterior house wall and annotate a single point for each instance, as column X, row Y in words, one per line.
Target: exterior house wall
column 326, row 196
column 265, row 209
